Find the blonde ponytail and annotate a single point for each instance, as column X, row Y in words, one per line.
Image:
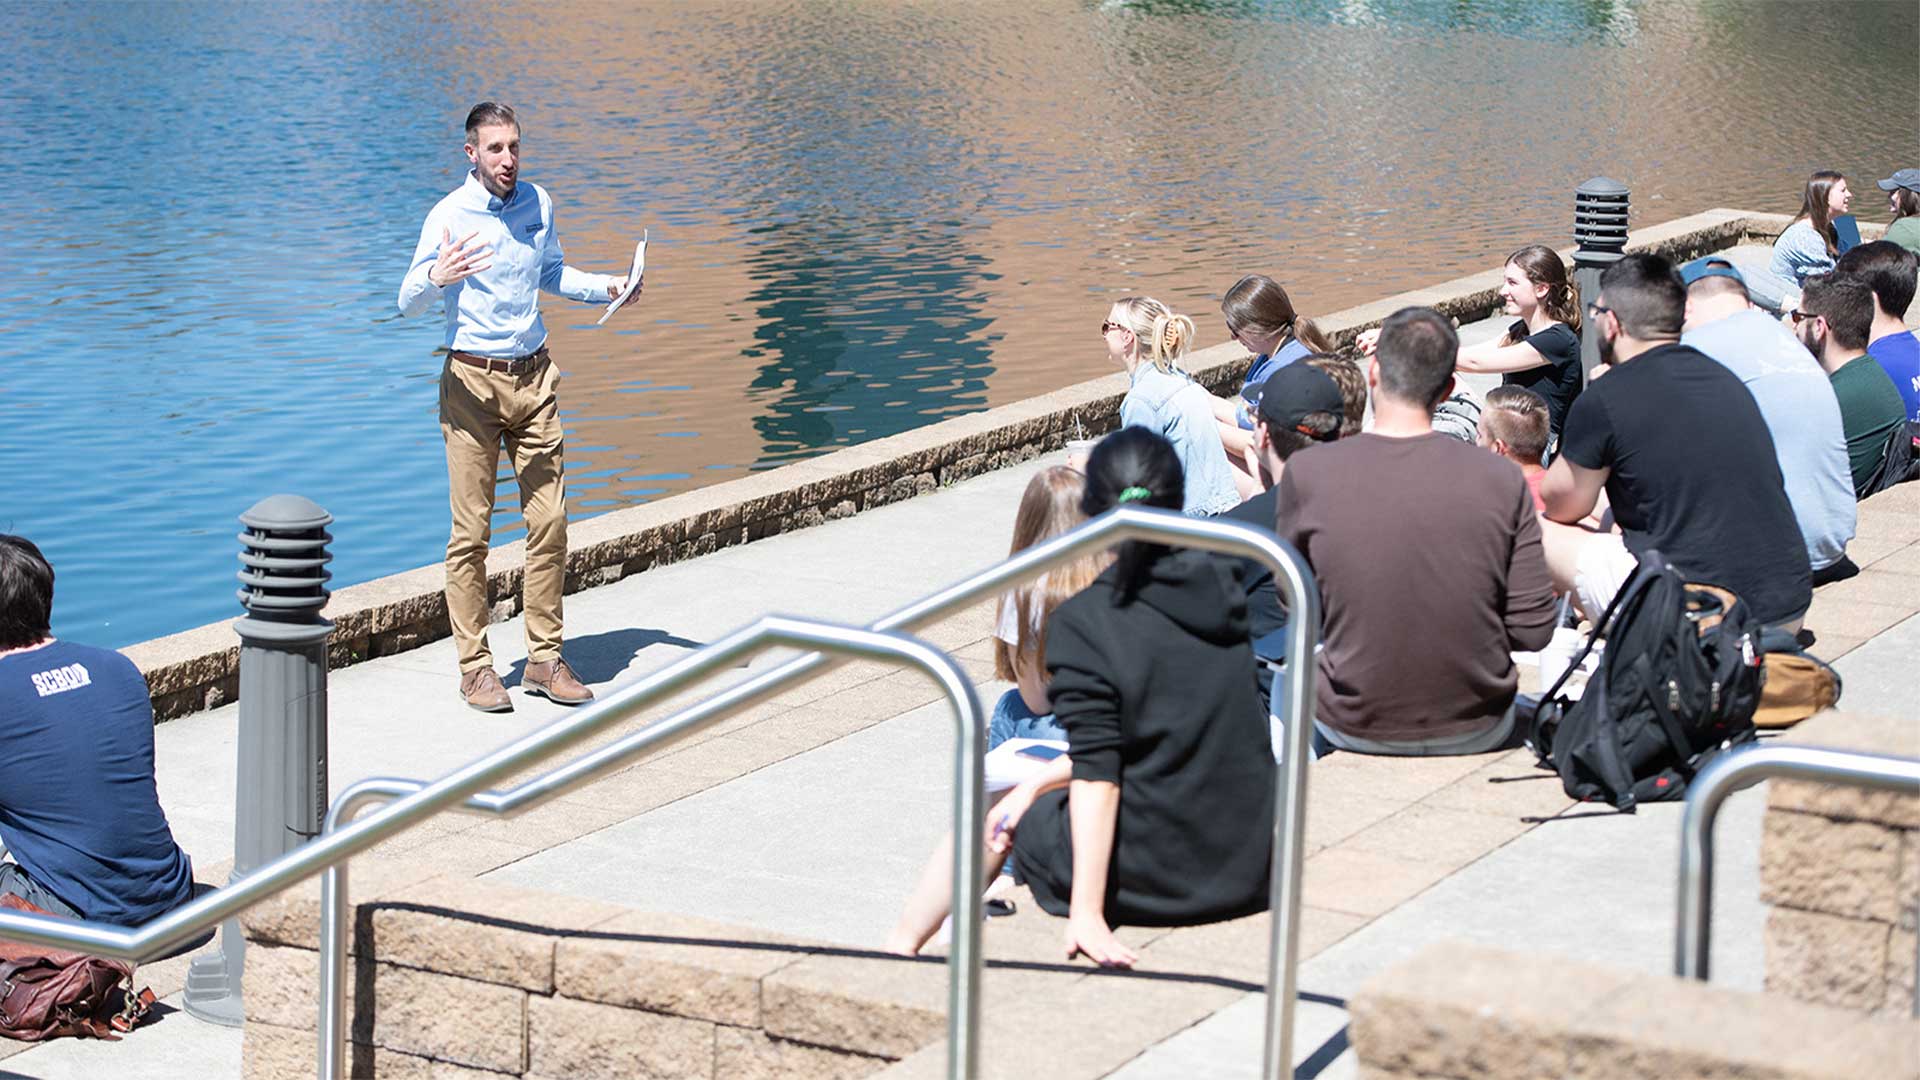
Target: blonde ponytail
column 1171, row 337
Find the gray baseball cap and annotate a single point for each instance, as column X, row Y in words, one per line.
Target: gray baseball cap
column 1902, row 178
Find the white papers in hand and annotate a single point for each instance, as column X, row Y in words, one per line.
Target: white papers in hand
column 633, row 279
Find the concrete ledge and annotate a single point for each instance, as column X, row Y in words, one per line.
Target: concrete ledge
column 197, row 669
column 1457, row 1012
column 452, row 977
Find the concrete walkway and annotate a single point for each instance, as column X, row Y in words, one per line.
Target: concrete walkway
column 809, row 815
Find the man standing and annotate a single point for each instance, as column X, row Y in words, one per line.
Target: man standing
column 79, row 811
column 487, row 249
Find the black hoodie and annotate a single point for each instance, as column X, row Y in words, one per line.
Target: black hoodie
column 1158, row 695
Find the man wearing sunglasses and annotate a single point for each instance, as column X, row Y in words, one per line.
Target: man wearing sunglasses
column 1836, row 313
column 1684, row 456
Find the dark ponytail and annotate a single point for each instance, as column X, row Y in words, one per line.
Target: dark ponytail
column 1133, row 467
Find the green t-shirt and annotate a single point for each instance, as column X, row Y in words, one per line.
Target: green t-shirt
column 1870, row 408
column 1906, row 233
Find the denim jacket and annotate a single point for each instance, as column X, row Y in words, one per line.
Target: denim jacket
column 1181, row 410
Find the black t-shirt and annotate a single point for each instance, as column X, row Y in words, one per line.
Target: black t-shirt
column 1264, row 613
column 1558, row 380
column 1693, row 475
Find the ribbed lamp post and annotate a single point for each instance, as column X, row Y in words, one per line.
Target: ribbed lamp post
column 1600, row 230
column 281, row 782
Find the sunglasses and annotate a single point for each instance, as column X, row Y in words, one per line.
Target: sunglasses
column 1109, row 327
column 1594, row 311
column 1801, row 316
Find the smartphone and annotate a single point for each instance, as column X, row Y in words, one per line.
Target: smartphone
column 1040, row 752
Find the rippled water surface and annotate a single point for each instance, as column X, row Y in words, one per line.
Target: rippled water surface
column 866, row 216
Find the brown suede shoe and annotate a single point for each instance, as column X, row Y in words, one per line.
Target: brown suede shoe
column 555, row 681
column 482, row 690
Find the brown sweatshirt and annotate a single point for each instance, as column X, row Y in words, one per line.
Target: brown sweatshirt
column 1427, row 553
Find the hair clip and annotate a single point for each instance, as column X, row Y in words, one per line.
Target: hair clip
column 1134, row 494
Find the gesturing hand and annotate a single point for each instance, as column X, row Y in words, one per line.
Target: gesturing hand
column 456, row 262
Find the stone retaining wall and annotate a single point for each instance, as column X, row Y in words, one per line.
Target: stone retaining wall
column 1459, row 1012
column 197, row 669
column 1841, row 868
column 456, row 979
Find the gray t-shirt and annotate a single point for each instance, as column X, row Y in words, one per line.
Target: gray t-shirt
column 1797, row 402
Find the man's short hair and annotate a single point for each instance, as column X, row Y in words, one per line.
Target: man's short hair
column 26, row 593
column 1518, row 417
column 1846, row 302
column 1416, row 353
column 1888, row 269
column 486, row 114
column 1645, row 295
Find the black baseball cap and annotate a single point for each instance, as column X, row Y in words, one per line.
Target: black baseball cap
column 1296, row 391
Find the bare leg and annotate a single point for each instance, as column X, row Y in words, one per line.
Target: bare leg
column 1562, row 545
column 932, row 898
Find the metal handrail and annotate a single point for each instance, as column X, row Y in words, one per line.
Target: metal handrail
column 1126, row 523
column 463, row 788
column 1742, row 769
column 416, row 803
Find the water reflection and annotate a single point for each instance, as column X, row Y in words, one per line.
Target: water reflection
column 865, row 217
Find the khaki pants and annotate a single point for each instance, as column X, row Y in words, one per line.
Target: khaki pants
column 479, row 410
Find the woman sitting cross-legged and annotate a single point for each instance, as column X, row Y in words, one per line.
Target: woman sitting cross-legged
column 1161, row 814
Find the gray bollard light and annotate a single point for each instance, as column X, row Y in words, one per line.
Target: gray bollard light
column 281, row 786
column 1600, row 230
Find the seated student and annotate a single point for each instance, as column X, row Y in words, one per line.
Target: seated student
column 1260, row 317
column 1353, row 390
column 1299, row 407
column 1049, row 507
column 1684, row 457
column 1457, row 416
column 1515, row 425
column 1835, row 316
column 1541, row 350
column 1890, row 271
column 1809, row 245
column 79, row 813
column 1795, row 400
column 1161, row 814
column 1903, row 198
column 1150, row 341
column 1427, row 552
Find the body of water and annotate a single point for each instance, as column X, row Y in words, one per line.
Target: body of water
column 865, row 217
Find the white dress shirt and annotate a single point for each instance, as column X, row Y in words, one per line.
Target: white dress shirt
column 496, row 312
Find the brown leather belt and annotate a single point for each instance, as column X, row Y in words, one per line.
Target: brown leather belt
column 519, row 365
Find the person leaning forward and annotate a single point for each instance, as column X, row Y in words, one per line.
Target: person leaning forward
column 499, row 385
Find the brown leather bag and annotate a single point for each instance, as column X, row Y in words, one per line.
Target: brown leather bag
column 47, row 993
column 1797, row 684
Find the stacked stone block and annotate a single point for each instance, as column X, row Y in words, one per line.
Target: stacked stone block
column 1460, row 1012
column 1841, row 868
column 454, row 979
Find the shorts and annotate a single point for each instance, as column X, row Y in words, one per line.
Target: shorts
column 1605, row 565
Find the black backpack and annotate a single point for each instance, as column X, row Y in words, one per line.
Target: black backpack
column 1677, row 684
